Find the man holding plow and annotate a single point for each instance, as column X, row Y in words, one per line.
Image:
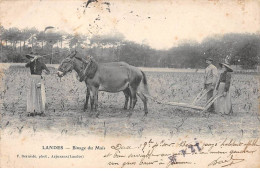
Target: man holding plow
column 210, row 80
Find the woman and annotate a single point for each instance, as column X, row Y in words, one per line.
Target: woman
column 36, row 92
column 223, row 104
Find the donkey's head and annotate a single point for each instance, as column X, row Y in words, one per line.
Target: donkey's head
column 67, row 65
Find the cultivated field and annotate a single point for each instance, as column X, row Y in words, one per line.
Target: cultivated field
column 66, row 96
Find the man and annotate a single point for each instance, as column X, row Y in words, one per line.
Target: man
column 210, row 80
column 36, row 92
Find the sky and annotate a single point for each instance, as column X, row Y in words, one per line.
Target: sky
column 160, row 24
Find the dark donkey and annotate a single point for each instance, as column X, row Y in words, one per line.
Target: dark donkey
column 110, row 77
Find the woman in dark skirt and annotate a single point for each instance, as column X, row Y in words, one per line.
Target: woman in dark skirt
column 223, row 104
column 36, row 89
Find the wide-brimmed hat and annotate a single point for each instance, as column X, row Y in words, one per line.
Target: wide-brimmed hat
column 208, row 59
column 227, row 65
column 30, row 55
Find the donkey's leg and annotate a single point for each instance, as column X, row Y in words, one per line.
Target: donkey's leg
column 144, row 99
column 95, row 95
column 91, row 100
column 96, row 99
column 127, row 95
column 91, row 103
column 134, row 101
column 86, row 102
column 131, row 99
column 134, row 98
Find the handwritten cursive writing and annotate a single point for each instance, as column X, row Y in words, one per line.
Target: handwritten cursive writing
column 166, row 153
column 119, row 147
column 227, row 162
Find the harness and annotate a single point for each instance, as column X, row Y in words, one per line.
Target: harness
column 83, row 69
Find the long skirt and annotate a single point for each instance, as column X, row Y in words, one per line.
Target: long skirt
column 36, row 95
column 223, row 104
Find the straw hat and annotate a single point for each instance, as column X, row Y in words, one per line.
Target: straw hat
column 226, row 64
column 30, row 55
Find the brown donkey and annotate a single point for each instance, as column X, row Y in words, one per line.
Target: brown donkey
column 109, row 77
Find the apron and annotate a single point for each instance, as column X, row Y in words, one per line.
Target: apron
column 223, row 104
column 36, row 95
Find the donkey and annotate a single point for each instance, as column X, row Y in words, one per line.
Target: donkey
column 109, row 77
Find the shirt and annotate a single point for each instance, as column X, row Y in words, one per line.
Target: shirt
column 36, row 67
column 211, row 74
column 225, row 77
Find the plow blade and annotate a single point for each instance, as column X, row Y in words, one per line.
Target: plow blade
column 208, row 104
column 186, row 105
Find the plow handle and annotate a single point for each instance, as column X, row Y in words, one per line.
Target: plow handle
column 211, row 101
column 200, row 96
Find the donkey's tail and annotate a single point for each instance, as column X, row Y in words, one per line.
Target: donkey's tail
column 145, row 84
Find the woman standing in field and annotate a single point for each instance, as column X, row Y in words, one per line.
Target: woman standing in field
column 36, row 91
column 223, row 104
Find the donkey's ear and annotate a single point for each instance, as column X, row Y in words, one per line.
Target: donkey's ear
column 73, row 53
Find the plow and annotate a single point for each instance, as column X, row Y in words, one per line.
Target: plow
column 192, row 105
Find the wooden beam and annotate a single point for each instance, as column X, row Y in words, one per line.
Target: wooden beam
column 185, row 105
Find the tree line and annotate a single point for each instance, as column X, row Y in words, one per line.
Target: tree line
column 244, row 49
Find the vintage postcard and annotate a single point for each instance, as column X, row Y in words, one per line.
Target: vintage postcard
column 129, row 84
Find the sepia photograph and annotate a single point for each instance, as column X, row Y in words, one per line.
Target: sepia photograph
column 129, row 84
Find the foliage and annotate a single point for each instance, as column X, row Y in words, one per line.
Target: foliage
column 244, row 49
column 14, row 57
